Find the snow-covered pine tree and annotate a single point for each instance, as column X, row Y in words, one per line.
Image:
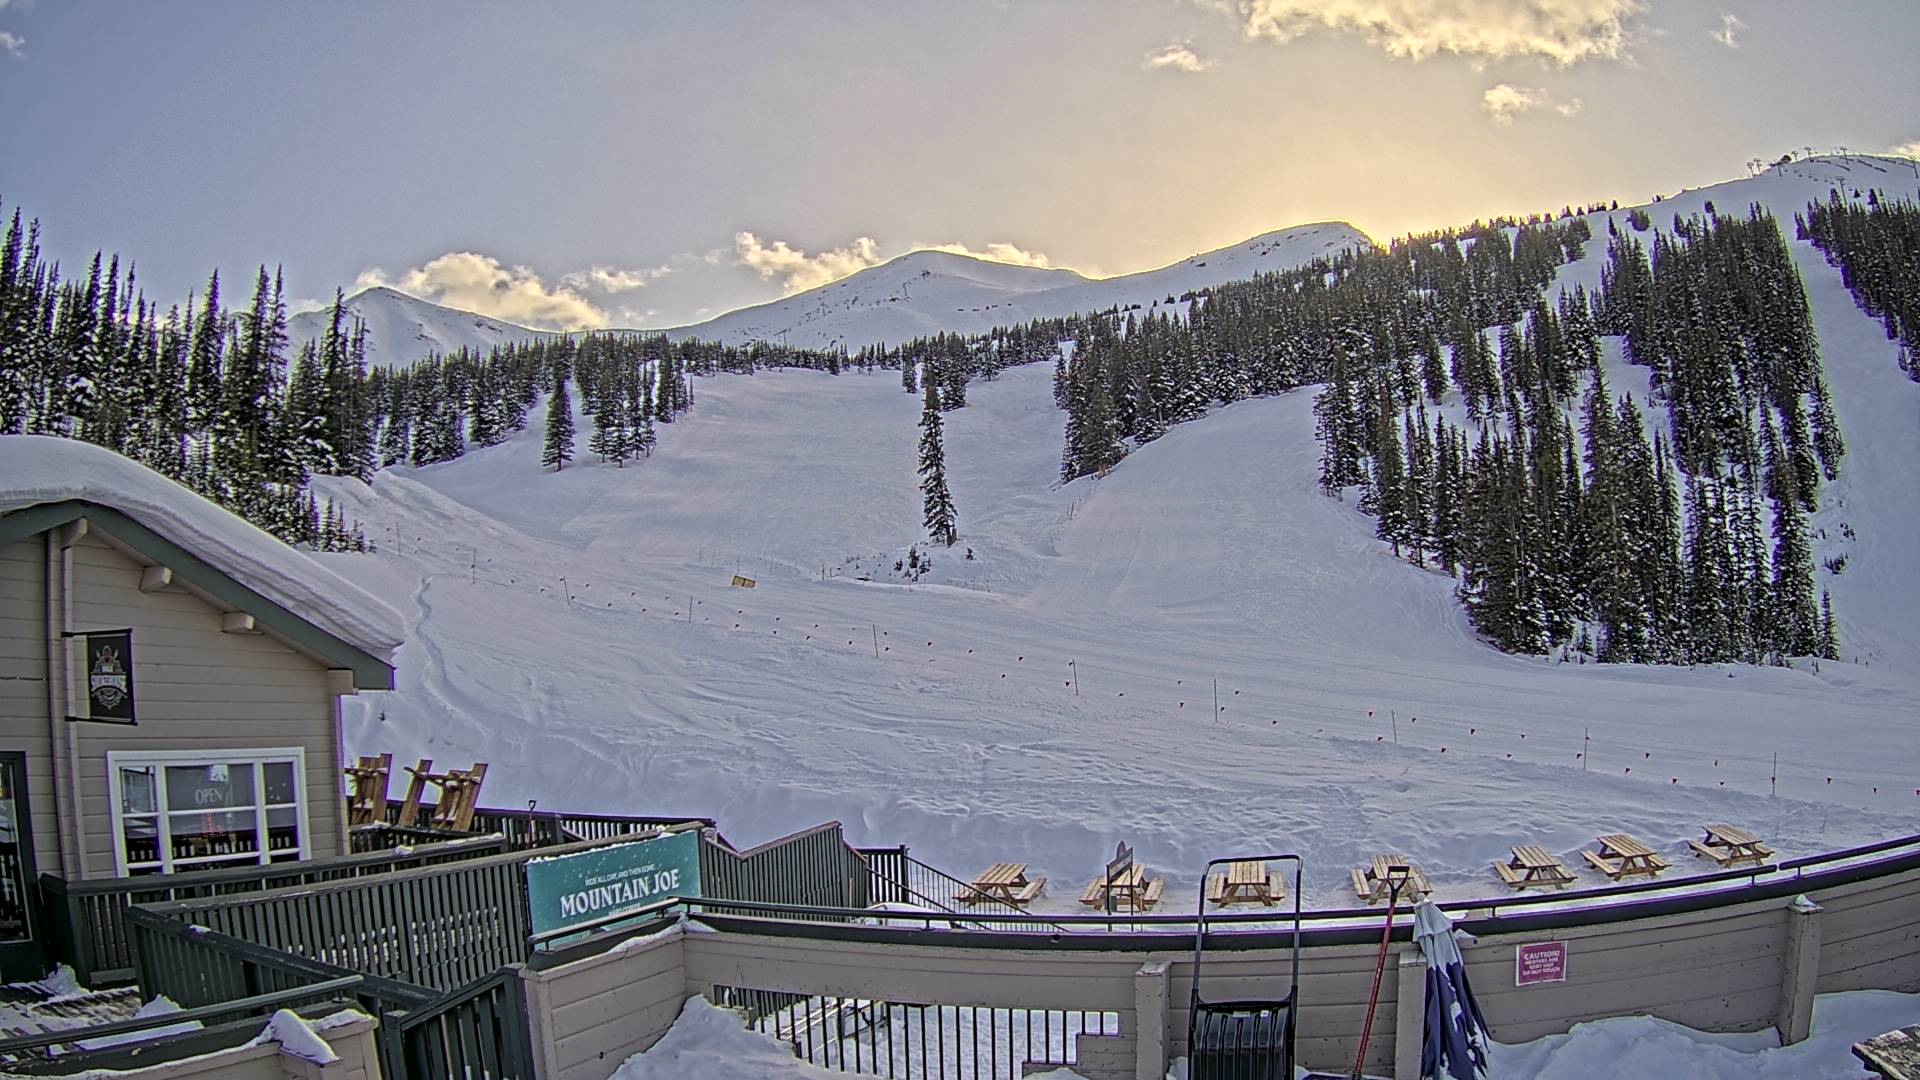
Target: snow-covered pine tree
column 939, row 511
column 643, row 437
column 558, row 448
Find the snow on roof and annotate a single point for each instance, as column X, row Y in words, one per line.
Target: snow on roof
column 37, row 469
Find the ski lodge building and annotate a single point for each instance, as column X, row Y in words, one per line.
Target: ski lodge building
column 170, row 679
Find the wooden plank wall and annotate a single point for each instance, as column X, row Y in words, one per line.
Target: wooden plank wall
column 589, row 1016
column 23, row 687
column 198, row 688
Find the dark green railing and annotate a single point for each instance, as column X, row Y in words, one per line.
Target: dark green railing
column 535, row 828
column 477, row 1031
column 87, row 918
column 438, row 926
column 439, row 948
column 814, row 868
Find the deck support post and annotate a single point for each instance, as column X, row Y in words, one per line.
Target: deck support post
column 1802, row 971
column 1152, row 1013
column 1410, row 1015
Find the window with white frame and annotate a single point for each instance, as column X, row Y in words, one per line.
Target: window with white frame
column 187, row 809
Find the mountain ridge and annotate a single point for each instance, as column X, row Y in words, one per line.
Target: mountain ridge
column 920, row 293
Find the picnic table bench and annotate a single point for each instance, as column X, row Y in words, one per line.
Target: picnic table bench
column 1247, row 881
column 1372, row 884
column 1621, row 856
column 1533, row 867
column 1131, row 890
column 1004, row 882
column 1894, row 1055
column 1729, row 845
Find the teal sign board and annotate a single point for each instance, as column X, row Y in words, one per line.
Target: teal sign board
column 570, row 890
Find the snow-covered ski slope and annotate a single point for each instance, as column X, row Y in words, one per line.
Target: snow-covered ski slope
column 1055, row 694
column 918, row 294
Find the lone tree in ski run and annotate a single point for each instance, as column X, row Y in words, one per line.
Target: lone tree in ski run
column 933, row 472
column 559, row 446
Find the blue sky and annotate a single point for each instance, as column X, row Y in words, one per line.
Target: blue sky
column 615, row 163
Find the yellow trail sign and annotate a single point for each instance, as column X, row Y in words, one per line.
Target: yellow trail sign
column 744, row 582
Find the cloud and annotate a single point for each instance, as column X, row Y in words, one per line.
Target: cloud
column 1178, row 55
column 799, row 271
column 1506, row 101
column 1907, row 149
column 12, row 44
column 480, row 283
column 613, row 279
column 997, row 252
column 1730, row 27
column 1561, row 31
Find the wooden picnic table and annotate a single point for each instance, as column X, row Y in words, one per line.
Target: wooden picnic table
column 1621, row 856
column 1131, row 890
column 1373, row 884
column 1730, row 845
column 1894, row 1055
column 1533, row 867
column 1004, row 882
column 1245, row 882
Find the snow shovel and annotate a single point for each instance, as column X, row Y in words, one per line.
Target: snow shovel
column 1396, row 880
column 1242, row 1040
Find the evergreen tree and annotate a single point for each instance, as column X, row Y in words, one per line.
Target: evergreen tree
column 1829, row 637
column 558, row 448
column 933, row 473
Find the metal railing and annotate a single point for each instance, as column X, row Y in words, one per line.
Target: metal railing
column 87, row 919
column 1257, row 929
column 918, row 1041
column 900, row 879
column 536, row 828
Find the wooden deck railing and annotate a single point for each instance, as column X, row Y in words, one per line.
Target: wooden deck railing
column 87, row 919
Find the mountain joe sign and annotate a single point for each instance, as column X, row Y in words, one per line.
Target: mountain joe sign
column 571, row 890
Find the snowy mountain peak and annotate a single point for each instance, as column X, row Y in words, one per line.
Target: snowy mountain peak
column 928, row 262
column 918, row 294
column 926, row 292
column 402, row 328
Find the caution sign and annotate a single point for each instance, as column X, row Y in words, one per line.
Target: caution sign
column 743, row 582
column 1542, row 963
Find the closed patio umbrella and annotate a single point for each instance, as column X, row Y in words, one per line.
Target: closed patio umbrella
column 1455, row 1047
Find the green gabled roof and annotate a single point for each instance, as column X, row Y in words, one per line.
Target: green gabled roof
column 369, row 671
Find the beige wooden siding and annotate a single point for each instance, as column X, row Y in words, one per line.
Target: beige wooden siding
column 23, row 686
column 1717, row 970
column 1870, row 935
column 589, row 1016
column 1334, row 981
column 920, row 974
column 197, row 688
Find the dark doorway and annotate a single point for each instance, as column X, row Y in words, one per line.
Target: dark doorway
column 21, row 953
